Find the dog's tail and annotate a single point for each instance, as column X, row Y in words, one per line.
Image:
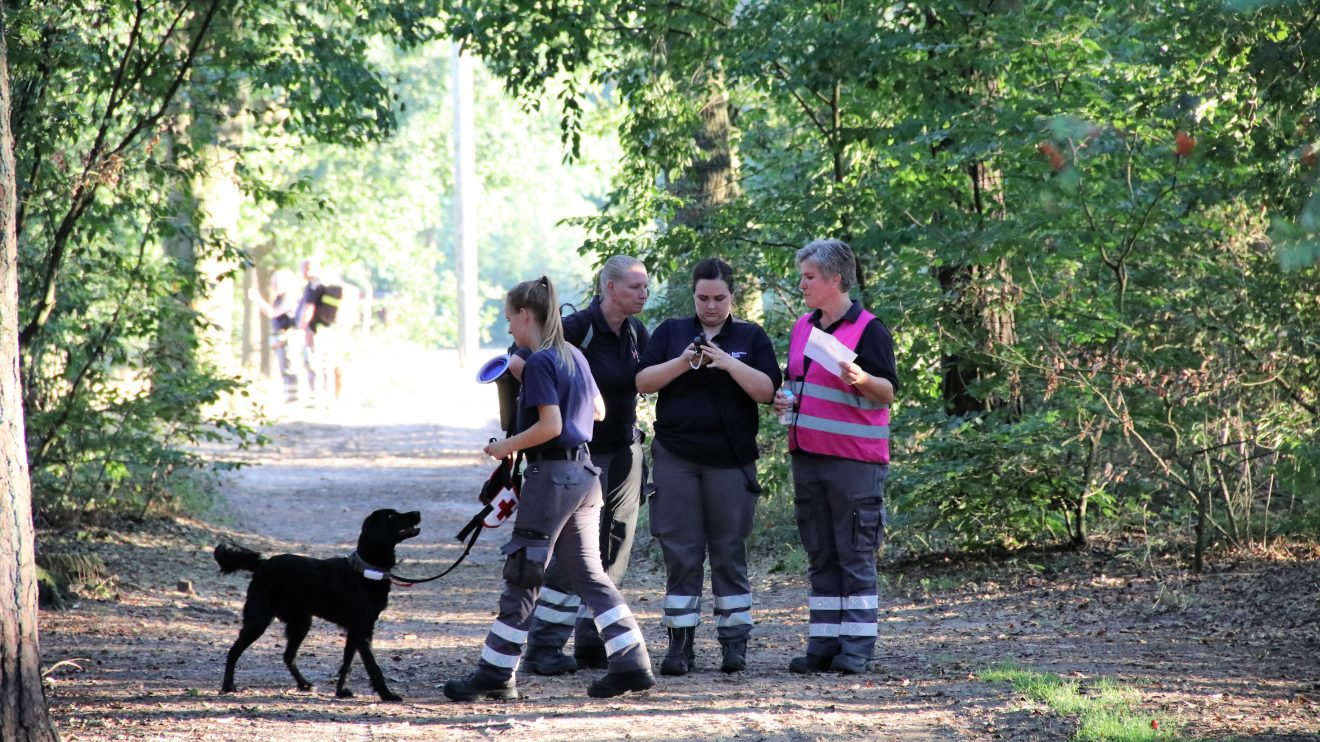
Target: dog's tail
column 233, row 558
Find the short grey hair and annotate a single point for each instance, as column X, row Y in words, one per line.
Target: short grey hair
column 833, row 258
column 616, row 268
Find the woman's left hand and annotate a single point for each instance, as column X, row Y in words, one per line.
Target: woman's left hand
column 717, row 358
column 853, row 374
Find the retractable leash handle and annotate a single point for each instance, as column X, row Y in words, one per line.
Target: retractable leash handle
column 494, row 513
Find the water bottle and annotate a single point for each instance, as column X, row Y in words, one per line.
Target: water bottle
column 786, row 416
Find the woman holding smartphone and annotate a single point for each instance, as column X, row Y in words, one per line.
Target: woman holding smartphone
column 711, row 371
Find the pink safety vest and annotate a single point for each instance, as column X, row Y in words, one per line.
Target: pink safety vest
column 833, row 418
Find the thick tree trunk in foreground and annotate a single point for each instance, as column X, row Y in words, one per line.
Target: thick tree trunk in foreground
column 23, row 715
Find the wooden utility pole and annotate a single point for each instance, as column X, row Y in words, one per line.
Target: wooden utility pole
column 466, row 191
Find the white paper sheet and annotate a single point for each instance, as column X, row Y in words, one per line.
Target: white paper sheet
column 825, row 349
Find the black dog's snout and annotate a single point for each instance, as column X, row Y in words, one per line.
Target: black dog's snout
column 410, row 523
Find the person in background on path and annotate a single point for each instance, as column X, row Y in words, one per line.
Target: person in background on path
column 838, row 434
column 558, row 512
column 711, row 371
column 320, row 348
column 282, row 310
column 612, row 339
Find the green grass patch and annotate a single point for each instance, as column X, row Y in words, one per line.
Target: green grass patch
column 1104, row 709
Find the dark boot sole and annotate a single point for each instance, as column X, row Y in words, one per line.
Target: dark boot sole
column 495, row 694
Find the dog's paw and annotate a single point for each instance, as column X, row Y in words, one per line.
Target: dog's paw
column 391, row 697
column 306, row 687
column 226, row 689
column 343, row 693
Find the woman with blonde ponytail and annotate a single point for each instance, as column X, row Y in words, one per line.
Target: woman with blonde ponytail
column 559, row 511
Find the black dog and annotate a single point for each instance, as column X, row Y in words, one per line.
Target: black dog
column 350, row 591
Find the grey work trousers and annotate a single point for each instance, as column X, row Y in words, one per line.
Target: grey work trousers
column 839, row 506
column 560, row 507
column 699, row 509
column 558, row 612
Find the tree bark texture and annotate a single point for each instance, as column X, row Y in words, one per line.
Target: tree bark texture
column 23, row 713
column 712, row 180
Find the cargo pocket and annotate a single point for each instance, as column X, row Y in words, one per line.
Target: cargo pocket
column 526, row 556
column 867, row 518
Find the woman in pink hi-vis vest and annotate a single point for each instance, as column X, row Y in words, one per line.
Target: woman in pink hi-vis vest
column 838, row 433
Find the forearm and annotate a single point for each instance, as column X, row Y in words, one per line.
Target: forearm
column 542, row 431
column 755, row 382
column 655, row 378
column 876, row 389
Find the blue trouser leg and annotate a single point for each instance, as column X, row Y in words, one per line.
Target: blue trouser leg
column 839, row 508
column 621, row 483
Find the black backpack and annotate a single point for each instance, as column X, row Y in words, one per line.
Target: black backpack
column 327, row 305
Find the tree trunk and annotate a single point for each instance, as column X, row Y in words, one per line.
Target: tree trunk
column 23, row 714
column 712, row 181
column 979, row 298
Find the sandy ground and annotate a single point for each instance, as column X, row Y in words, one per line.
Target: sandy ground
column 1232, row 654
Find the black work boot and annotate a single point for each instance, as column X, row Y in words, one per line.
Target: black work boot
column 682, row 655
column 617, row 683
column 848, row 665
column 735, row 655
column 808, row 664
column 479, row 684
column 548, row 661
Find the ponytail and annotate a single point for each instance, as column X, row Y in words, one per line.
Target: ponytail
column 539, row 298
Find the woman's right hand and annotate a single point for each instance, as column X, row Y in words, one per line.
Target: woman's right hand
column 693, row 356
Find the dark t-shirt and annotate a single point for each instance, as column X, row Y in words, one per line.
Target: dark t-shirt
column 613, row 359
column 703, row 416
column 546, row 382
column 875, row 349
column 312, row 294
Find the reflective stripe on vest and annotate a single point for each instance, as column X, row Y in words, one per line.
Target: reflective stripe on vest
column 833, row 418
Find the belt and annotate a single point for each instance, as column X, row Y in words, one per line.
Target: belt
column 557, row 454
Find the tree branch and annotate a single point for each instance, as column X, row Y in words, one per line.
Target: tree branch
column 85, row 189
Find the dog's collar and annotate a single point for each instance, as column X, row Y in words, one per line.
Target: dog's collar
column 366, row 569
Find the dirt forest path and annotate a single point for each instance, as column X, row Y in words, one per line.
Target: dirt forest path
column 147, row 652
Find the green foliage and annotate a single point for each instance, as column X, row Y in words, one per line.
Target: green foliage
column 382, row 211
column 113, row 105
column 1067, row 206
column 956, row 497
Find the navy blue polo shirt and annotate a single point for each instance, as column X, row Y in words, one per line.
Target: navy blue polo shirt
column 546, row 382
column 613, row 359
column 703, row 416
column 875, row 349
